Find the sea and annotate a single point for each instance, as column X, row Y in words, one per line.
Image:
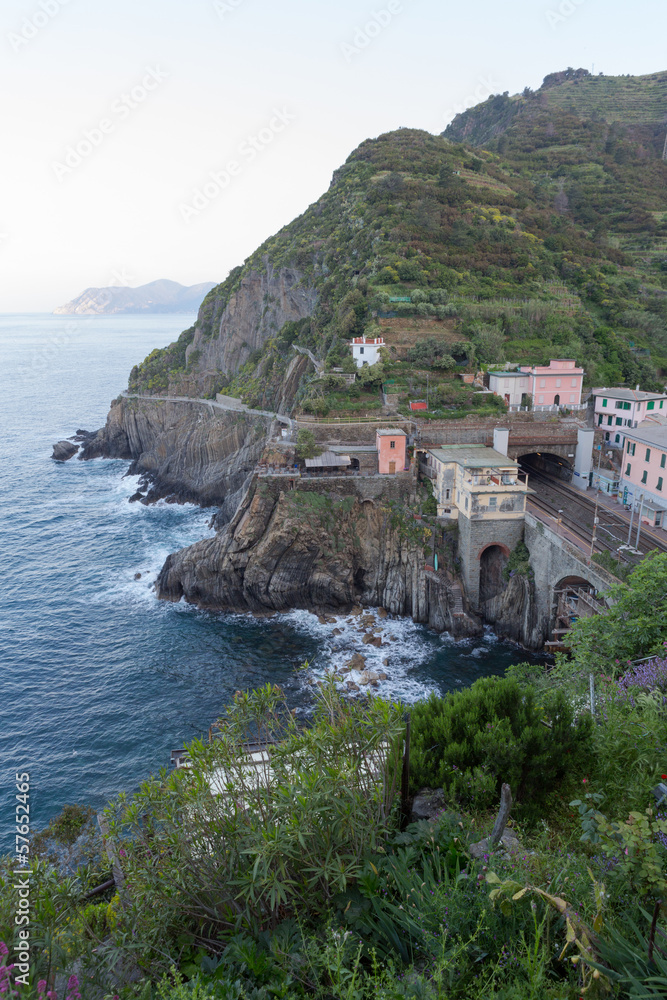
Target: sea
column 99, row 680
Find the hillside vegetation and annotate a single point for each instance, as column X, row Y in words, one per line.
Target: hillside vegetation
column 536, row 226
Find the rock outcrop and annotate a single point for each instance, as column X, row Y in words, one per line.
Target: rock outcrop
column 514, row 613
column 228, row 330
column 187, row 451
column 64, row 450
column 282, row 550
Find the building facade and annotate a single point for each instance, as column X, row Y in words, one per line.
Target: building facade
column 392, row 451
column 514, row 387
column 476, row 481
column 644, row 472
column 366, row 350
column 616, row 409
column 559, row 383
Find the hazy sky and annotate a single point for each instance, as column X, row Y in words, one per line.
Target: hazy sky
column 114, row 114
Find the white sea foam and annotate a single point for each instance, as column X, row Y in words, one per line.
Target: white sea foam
column 404, row 647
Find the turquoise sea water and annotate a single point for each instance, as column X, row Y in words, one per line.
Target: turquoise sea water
column 100, row 681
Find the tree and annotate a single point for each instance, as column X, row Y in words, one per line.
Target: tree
column 371, row 375
column 306, row 445
column 634, row 626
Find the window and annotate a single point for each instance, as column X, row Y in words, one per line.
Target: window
column 606, row 436
column 573, row 383
column 600, row 421
column 447, row 493
column 573, row 399
column 466, row 503
column 361, row 350
column 604, row 402
column 543, row 382
column 644, row 474
column 619, row 421
column 648, row 455
column 617, row 438
column 558, row 383
column 493, row 502
column 626, row 406
column 650, row 405
column 627, row 469
column 661, row 402
column 662, row 460
column 628, row 447
column 392, row 444
column 619, row 405
column 540, row 399
column 610, row 420
column 659, row 486
column 633, row 447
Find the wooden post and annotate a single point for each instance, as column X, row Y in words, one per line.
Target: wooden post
column 405, row 776
column 503, row 814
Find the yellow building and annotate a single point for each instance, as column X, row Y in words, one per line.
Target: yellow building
column 476, row 482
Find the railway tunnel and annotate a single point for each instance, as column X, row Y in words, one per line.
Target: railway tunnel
column 548, row 464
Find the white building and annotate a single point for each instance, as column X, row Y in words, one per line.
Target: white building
column 366, row 350
column 514, row 387
column 615, row 409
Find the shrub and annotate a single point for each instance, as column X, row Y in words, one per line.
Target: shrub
column 269, row 844
column 470, row 742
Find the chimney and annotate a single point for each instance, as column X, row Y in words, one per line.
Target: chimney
column 501, row 439
column 637, row 387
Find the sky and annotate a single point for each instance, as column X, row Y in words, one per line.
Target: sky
column 147, row 139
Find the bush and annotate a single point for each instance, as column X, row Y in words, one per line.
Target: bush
column 270, row 844
column 470, row 742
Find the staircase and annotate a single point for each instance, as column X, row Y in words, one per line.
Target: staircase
column 456, row 599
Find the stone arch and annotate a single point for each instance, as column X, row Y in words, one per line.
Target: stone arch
column 492, row 561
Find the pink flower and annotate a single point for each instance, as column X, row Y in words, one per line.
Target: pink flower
column 584, row 781
column 41, row 987
column 4, row 950
column 122, row 853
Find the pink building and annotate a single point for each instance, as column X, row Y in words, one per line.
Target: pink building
column 644, row 471
column 392, row 451
column 558, row 384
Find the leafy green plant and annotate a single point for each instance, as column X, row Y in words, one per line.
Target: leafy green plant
column 470, row 742
column 588, row 815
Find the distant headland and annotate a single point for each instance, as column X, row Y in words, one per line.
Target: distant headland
column 160, row 296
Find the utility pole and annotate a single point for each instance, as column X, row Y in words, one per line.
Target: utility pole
column 595, row 525
column 427, row 379
column 632, row 518
column 639, row 520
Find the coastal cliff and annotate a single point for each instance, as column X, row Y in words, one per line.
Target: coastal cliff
column 308, row 549
column 187, row 451
column 514, row 613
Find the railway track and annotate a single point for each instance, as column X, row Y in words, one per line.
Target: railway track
column 579, row 512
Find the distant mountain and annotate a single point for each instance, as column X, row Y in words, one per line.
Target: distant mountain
column 161, row 296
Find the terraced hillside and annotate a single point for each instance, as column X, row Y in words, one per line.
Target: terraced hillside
column 543, row 234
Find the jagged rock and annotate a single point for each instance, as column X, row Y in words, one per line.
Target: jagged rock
column 427, row 804
column 356, row 611
column 136, row 496
column 137, row 576
column 351, row 686
column 337, row 631
column 321, row 619
column 385, row 662
column 509, row 844
column 368, row 677
column 64, row 450
column 368, row 639
column 382, row 676
column 358, row 662
column 382, row 612
column 343, row 670
column 514, row 613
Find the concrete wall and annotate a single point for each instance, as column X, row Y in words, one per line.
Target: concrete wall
column 376, row 488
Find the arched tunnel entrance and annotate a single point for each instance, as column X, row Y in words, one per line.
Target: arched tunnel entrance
column 574, row 598
column 546, row 463
column 492, row 562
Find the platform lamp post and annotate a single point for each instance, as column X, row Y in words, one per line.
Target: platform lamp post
column 639, row 520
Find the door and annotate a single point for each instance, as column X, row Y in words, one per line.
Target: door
column 392, row 468
column 557, row 400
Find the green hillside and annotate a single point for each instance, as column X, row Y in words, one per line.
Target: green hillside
column 543, row 234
